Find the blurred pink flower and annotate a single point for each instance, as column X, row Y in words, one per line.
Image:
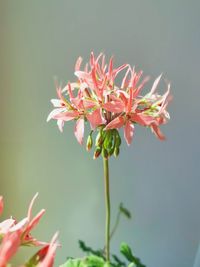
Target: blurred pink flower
column 47, row 254
column 9, row 246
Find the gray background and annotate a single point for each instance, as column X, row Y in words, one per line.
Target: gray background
column 159, row 182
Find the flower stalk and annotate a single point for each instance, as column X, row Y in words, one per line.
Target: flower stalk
column 107, row 204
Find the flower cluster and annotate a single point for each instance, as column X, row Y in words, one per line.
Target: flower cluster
column 107, row 105
column 14, row 234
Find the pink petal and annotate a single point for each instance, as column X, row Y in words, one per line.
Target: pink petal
column 78, row 63
column 60, row 124
column 124, row 81
column 116, row 71
column 129, row 132
column 1, row 204
column 34, row 221
column 155, row 84
column 48, row 260
column 67, row 116
column 57, row 103
column 114, row 106
column 137, row 91
column 142, row 119
column 116, row 123
column 95, row 118
column 156, row 130
column 6, row 225
column 82, row 75
column 19, row 226
column 79, row 130
column 31, row 206
column 9, row 247
column 54, row 113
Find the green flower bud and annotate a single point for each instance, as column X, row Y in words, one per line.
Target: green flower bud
column 108, row 140
column 118, row 139
column 116, row 151
column 111, row 151
column 104, row 153
column 89, row 142
column 97, row 152
column 99, row 139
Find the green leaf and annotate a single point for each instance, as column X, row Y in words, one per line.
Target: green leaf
column 118, row 262
column 89, row 250
column 126, row 251
column 72, row 263
column 90, row 261
column 124, row 211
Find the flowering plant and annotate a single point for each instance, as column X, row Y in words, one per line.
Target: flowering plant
column 98, row 98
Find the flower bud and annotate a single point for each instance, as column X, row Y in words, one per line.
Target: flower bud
column 118, row 139
column 116, row 151
column 89, row 142
column 99, row 139
column 97, row 152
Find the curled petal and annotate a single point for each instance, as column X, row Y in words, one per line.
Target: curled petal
column 60, row 124
column 116, row 123
column 79, row 130
column 31, row 206
column 129, row 132
column 156, row 130
column 155, row 84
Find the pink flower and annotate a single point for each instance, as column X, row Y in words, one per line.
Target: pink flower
column 97, row 98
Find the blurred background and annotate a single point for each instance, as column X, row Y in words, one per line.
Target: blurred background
column 158, row 181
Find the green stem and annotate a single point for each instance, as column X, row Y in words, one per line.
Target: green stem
column 107, row 202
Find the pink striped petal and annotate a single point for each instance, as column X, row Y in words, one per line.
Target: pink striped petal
column 114, row 106
column 142, row 119
column 79, row 130
column 60, row 124
column 129, row 132
column 116, row 123
column 67, row 116
column 95, row 118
